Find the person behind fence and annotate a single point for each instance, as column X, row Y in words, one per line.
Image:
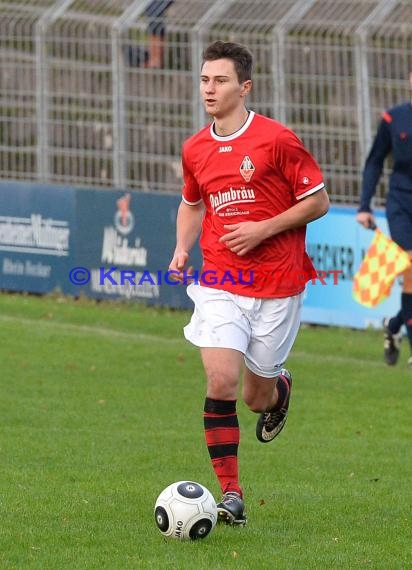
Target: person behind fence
column 250, row 188
column 153, row 57
column 393, row 137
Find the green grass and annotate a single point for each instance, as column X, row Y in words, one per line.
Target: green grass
column 101, row 408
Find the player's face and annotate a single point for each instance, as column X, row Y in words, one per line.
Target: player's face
column 220, row 89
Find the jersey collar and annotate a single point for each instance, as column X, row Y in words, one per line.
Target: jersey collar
column 236, row 133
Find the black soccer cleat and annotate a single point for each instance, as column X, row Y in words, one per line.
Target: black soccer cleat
column 391, row 344
column 271, row 423
column 231, row 509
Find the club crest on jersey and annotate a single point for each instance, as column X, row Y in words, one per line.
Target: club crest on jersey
column 247, row 168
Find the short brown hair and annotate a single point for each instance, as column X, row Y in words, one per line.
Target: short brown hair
column 239, row 54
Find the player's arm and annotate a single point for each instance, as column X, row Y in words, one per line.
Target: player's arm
column 188, row 226
column 189, row 216
column 243, row 237
column 305, row 211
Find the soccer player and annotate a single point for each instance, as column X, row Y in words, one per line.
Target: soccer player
column 250, row 188
column 393, row 137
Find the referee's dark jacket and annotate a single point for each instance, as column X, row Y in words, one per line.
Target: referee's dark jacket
column 394, row 136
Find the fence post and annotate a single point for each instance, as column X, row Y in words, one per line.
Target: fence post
column 279, row 31
column 362, row 74
column 42, row 95
column 119, row 92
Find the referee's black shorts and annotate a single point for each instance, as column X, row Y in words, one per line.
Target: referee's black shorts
column 399, row 215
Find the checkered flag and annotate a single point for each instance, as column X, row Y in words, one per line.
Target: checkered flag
column 382, row 263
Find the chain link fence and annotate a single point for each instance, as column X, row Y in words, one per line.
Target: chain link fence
column 102, row 93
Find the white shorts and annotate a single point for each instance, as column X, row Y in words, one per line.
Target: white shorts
column 264, row 330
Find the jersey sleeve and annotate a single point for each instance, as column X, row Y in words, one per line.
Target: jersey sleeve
column 372, row 171
column 191, row 192
column 298, row 165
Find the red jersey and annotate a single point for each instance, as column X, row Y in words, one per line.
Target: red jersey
column 257, row 172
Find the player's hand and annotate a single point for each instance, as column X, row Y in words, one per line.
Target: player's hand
column 178, row 264
column 366, row 219
column 243, row 237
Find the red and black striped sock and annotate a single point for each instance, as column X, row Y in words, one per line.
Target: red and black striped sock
column 283, row 388
column 222, row 439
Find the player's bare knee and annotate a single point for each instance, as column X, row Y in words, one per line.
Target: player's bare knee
column 221, row 386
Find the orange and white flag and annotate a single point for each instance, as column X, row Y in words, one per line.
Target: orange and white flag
column 382, row 263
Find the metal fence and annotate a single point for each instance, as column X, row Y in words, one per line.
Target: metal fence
column 80, row 103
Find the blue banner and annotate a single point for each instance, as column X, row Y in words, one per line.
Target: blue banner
column 36, row 237
column 126, row 241
column 337, row 245
column 113, row 244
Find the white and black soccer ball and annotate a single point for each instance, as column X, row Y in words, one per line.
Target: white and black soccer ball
column 185, row 510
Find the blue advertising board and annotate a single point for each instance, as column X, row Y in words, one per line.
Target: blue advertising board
column 335, row 243
column 125, row 240
column 114, row 244
column 36, row 237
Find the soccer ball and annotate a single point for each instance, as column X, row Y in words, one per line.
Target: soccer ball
column 185, row 510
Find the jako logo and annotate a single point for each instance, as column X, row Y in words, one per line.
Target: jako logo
column 225, row 149
column 178, row 529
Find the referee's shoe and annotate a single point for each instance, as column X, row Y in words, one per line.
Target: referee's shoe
column 391, row 344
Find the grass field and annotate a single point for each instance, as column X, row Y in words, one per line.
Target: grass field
column 101, row 408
